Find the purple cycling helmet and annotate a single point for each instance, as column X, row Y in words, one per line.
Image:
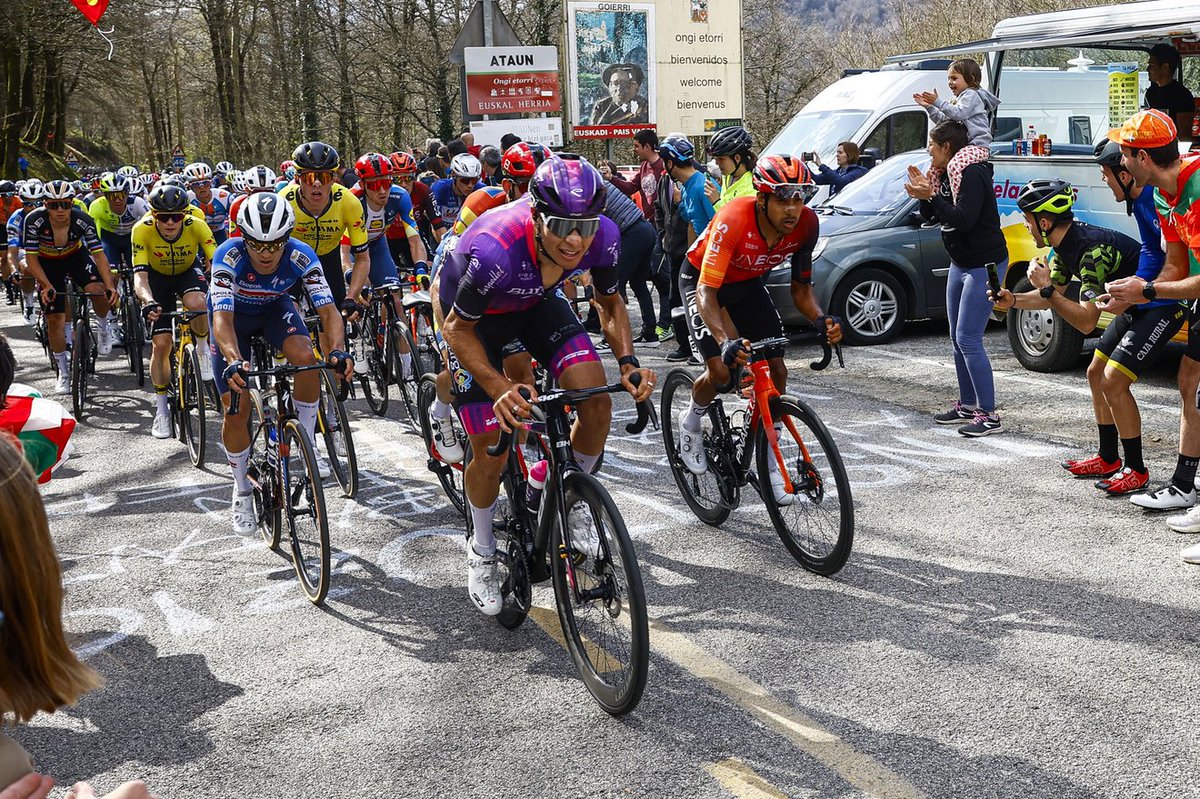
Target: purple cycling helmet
column 567, row 185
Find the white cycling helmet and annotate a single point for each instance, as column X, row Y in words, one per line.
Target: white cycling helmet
column 237, row 181
column 197, row 171
column 60, row 190
column 128, row 171
column 266, row 216
column 31, row 190
column 259, row 178
column 223, row 168
column 465, row 165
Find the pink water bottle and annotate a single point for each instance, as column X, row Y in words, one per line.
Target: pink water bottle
column 537, row 482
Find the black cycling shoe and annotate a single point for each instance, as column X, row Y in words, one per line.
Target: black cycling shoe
column 680, row 354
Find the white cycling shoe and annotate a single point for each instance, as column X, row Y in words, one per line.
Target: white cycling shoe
column 584, row 536
column 778, row 489
column 323, row 467
column 444, row 438
column 104, row 342
column 482, row 583
column 243, row 513
column 161, row 427
column 691, row 447
column 63, row 386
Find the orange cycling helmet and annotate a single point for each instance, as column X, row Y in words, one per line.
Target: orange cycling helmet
column 403, row 163
column 783, row 176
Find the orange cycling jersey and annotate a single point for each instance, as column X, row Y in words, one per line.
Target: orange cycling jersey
column 732, row 248
column 477, row 203
column 8, row 207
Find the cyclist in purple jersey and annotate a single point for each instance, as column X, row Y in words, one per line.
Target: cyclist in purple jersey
column 500, row 284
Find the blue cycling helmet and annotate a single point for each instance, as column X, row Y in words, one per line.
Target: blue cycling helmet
column 567, row 185
column 678, row 149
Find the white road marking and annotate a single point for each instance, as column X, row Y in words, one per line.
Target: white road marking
column 180, row 620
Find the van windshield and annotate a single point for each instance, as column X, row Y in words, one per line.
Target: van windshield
column 880, row 191
column 817, row 131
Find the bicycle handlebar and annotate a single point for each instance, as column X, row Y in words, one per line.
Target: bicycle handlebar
column 827, row 351
column 283, row 370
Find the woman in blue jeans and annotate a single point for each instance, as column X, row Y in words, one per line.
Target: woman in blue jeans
column 958, row 193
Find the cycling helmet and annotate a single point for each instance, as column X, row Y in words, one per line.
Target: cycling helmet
column 222, row 168
column 522, row 160
column 465, row 165
column 373, row 166
column 81, row 187
column 778, row 170
column 678, row 149
column 128, row 171
column 32, row 191
column 1046, row 196
column 169, row 199
column 567, row 185
column 316, row 156
column 730, row 141
column 237, row 181
column 108, row 181
column 60, row 190
column 266, row 217
column 403, row 163
column 8, row 188
column 288, row 169
column 259, row 178
column 119, row 184
column 197, row 171
column 174, row 180
column 154, row 176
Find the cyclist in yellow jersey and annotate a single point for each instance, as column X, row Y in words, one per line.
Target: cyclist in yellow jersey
column 166, row 245
column 731, row 149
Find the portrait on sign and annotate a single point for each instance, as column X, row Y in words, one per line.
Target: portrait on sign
column 613, row 70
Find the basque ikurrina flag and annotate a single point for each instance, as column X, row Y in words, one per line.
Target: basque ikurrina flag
column 42, row 427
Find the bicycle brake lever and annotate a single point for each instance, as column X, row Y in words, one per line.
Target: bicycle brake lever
column 838, row 349
column 826, row 356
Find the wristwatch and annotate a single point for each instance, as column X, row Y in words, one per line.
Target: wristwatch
column 1149, row 292
column 1046, row 292
column 629, row 359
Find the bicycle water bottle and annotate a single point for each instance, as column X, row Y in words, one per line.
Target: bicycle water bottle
column 537, row 482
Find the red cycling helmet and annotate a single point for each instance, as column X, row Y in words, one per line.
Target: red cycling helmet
column 403, row 163
column 522, row 159
column 285, row 166
column 783, row 176
column 373, row 166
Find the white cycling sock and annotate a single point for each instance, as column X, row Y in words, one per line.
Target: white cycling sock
column 484, row 541
column 30, row 298
column 441, row 409
column 164, row 403
column 406, row 363
column 102, row 323
column 691, row 422
column 240, row 463
column 202, row 348
column 64, row 365
column 586, row 462
column 307, row 412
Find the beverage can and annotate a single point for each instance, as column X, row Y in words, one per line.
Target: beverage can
column 1016, row 147
column 1047, row 147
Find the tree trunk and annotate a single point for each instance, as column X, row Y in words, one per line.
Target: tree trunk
column 308, row 73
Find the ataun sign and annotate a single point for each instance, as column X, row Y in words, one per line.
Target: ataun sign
column 512, row 80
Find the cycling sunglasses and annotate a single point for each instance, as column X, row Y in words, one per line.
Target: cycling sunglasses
column 169, row 217
column 561, row 226
column 117, row 195
column 200, row 184
column 794, row 191
column 323, row 176
column 265, row 246
column 377, row 183
column 58, row 205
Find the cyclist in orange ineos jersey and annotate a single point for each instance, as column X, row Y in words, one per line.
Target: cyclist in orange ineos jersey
column 725, row 293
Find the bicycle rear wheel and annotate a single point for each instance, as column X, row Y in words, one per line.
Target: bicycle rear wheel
column 601, row 603
column 426, row 357
column 702, row 492
column 378, row 351
column 449, row 475
column 407, row 382
column 333, row 426
column 80, row 356
column 192, row 401
column 816, row 523
column 304, row 505
column 264, row 474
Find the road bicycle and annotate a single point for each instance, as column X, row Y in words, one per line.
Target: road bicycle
column 83, row 348
column 814, row 516
column 374, row 345
column 333, row 422
column 549, row 536
column 418, row 317
column 449, row 475
column 285, row 477
column 132, row 326
column 187, row 392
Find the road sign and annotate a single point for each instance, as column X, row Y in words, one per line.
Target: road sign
column 543, row 130
column 512, row 80
column 73, row 164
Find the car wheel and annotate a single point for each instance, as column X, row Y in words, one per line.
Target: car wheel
column 872, row 304
column 1042, row 340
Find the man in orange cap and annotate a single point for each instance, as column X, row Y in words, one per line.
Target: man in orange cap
column 1150, row 153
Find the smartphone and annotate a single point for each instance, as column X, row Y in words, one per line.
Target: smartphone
column 993, row 280
column 807, row 156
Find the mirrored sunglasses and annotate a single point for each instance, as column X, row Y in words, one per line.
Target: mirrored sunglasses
column 265, row 246
column 561, row 226
column 309, row 178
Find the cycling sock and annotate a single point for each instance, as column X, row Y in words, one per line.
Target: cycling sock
column 160, row 396
column 202, row 347
column 1133, row 453
column 307, row 412
column 30, row 298
column 1185, row 472
column 406, row 363
column 63, row 364
column 691, row 422
column 483, row 541
column 102, row 323
column 1108, row 442
column 240, row 463
column 441, row 409
column 586, row 462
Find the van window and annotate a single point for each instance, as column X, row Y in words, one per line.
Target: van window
column 818, row 131
column 899, row 133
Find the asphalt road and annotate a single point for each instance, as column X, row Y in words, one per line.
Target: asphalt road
column 1000, row 630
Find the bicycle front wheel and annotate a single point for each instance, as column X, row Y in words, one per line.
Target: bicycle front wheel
column 378, row 351
column 449, row 475
column 406, row 378
column 264, row 474
column 816, row 520
column 702, row 492
column 80, row 355
column 333, row 426
column 601, row 602
column 192, row 399
column 304, row 505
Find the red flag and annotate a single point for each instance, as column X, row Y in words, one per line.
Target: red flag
column 92, row 9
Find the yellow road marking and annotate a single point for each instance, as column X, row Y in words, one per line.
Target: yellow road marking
column 741, row 781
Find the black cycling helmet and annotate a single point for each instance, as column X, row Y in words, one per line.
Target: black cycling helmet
column 1046, row 196
column 168, row 198
column 7, row 187
column 730, row 141
column 316, row 155
column 1108, row 153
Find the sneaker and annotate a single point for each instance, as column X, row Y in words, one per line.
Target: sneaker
column 1169, row 497
column 206, row 372
column 680, row 354
column 29, row 316
column 63, row 386
column 647, row 336
column 584, row 536
column 445, row 440
column 1191, row 554
column 602, row 345
column 161, row 427
column 243, row 513
column 1186, row 522
column 104, row 341
column 1125, row 481
column 957, row 415
column 665, row 333
column 118, row 336
column 691, row 447
column 482, row 585
column 984, row 425
column 1094, row 466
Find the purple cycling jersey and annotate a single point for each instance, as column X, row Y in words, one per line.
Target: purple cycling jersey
column 494, row 270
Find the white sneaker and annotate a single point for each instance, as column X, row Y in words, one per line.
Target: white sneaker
column 63, row 386
column 482, row 585
column 1169, row 497
column 161, row 428
column 1191, row 554
column 1186, row 522
column 243, row 513
column 691, row 447
column 584, row 536
column 445, row 441
column 104, row 341
column 206, row 372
